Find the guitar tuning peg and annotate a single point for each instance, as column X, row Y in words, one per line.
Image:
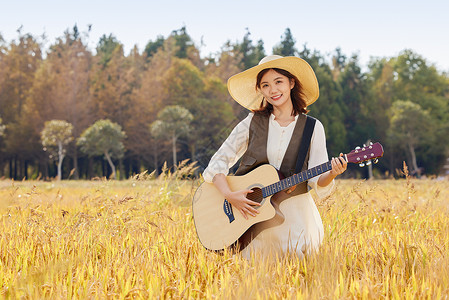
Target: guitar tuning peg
column 357, row 148
column 370, row 143
column 368, row 162
column 364, row 145
column 361, row 165
column 375, row 161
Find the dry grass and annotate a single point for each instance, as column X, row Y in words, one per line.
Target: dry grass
column 136, row 239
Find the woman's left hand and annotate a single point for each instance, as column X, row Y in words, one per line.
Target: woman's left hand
column 339, row 165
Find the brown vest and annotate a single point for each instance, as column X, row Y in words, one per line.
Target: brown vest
column 256, row 154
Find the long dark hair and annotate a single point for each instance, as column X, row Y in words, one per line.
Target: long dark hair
column 296, row 94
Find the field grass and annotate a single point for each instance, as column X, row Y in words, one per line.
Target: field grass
column 136, row 239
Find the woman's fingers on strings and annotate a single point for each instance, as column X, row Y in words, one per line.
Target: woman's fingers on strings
column 338, row 164
column 250, row 202
column 343, row 161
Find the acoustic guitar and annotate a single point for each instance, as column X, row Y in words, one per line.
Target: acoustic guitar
column 218, row 227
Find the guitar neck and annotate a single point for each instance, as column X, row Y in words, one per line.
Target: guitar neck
column 295, row 179
column 359, row 155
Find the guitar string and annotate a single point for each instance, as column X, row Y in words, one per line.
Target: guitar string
column 296, row 179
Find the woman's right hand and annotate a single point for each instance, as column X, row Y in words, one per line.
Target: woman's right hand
column 241, row 203
column 238, row 198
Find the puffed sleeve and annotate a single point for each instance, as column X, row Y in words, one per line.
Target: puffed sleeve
column 318, row 155
column 230, row 151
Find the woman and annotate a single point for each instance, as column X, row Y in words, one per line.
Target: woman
column 278, row 91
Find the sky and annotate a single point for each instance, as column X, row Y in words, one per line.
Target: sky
column 367, row 28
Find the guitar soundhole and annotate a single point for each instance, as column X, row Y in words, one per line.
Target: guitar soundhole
column 256, row 195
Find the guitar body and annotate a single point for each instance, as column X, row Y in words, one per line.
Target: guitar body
column 217, row 225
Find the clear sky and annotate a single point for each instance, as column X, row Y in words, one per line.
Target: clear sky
column 369, row 28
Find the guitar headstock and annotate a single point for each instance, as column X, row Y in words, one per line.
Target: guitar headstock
column 369, row 153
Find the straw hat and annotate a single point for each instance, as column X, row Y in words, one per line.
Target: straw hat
column 242, row 86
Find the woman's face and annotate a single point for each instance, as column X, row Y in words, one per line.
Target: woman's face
column 276, row 88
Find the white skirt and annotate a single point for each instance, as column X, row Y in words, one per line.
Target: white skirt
column 297, row 230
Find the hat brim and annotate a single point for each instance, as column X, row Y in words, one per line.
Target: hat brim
column 242, row 86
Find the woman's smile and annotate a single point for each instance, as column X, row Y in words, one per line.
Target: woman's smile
column 277, row 97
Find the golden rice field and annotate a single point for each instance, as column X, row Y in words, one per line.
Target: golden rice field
column 135, row 239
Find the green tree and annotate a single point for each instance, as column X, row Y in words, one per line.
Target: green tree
column 421, row 83
column 250, row 54
column 287, row 45
column 409, row 76
column 183, row 83
column 355, row 101
column 103, row 138
column 183, row 42
column 106, row 48
column 329, row 107
column 173, row 121
column 55, row 136
column 380, row 79
column 152, row 47
column 380, row 85
column 409, row 129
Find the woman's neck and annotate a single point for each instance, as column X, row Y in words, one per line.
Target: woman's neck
column 283, row 116
column 284, row 112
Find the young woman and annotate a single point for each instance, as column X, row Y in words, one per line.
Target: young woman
column 277, row 91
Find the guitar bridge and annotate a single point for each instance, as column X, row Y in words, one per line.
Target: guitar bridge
column 227, row 208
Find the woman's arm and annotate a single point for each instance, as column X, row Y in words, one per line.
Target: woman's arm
column 228, row 154
column 230, row 151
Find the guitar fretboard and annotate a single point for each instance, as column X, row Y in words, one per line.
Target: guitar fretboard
column 295, row 179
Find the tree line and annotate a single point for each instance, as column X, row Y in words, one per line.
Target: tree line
column 59, row 108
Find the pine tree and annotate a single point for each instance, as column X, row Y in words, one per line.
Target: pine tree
column 287, row 45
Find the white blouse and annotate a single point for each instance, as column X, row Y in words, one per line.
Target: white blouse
column 278, row 140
